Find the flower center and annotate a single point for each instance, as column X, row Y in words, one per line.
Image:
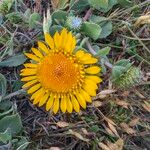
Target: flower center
column 59, row 73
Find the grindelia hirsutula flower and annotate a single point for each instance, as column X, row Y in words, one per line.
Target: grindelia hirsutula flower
column 58, row 77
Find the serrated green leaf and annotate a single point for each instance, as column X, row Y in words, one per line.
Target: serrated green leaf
column 3, row 86
column 5, row 136
column 98, row 3
column 34, row 18
column 91, row 29
column 13, row 61
column 13, row 122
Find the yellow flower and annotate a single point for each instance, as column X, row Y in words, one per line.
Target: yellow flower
column 59, row 77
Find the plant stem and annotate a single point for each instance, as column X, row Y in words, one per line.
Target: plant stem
column 14, row 94
column 108, row 64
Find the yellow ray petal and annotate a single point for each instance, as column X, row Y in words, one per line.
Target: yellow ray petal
column 49, row 40
column 38, row 97
column 86, row 96
column 81, row 100
column 79, row 54
column 90, row 83
column 29, row 78
column 34, row 88
column 69, row 43
column 33, row 57
column 43, row 99
column 75, row 104
column 37, row 52
column 37, row 93
column 50, row 102
column 30, row 65
column 43, row 47
column 89, row 90
column 64, row 37
column 90, row 61
column 73, row 45
column 86, row 56
column 27, row 72
column 57, row 40
column 93, row 70
column 56, row 105
column 63, row 104
column 69, row 105
column 29, row 83
column 95, row 79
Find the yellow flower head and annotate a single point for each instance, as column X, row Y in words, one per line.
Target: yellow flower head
column 58, row 77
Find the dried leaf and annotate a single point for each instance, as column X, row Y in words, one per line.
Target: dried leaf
column 134, row 122
column 103, row 146
column 143, row 20
column 78, row 135
column 54, row 148
column 127, row 129
column 62, row 124
column 146, row 106
column 106, row 92
column 122, row 103
column 113, row 129
column 97, row 103
column 55, row 3
column 110, row 121
column 139, row 94
column 109, row 131
column 118, row 145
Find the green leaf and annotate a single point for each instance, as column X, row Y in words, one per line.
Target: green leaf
column 13, row 122
column 5, row 136
column 3, row 86
column 55, row 28
column 105, row 24
column 98, row 3
column 103, row 52
column 122, row 62
column 13, row 61
column 111, row 3
column 79, row 6
column 15, row 17
column 125, row 3
column 106, row 29
column 22, row 144
column 91, row 29
column 34, row 18
column 59, row 16
column 117, row 71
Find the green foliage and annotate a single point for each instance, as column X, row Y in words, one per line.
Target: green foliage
column 124, row 75
column 13, row 61
column 15, row 18
column 91, row 29
column 5, row 6
column 59, row 17
column 102, row 5
column 5, row 136
column 3, row 86
column 105, row 24
column 79, row 6
column 99, row 3
column 34, row 18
